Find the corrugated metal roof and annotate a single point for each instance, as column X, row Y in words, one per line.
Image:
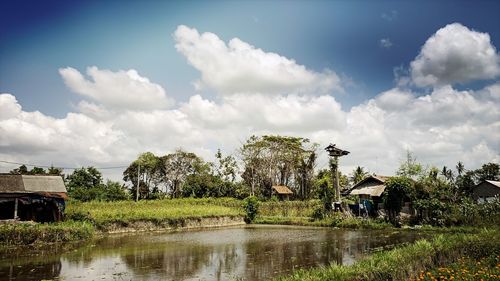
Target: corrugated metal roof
column 372, row 186
column 44, row 183
column 371, row 190
column 11, row 183
column 31, row 184
column 281, row 189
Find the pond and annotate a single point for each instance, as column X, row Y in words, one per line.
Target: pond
column 242, row 253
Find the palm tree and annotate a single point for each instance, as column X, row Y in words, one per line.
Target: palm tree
column 460, row 168
column 358, row 175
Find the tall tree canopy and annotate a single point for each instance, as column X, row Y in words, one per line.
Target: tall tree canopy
column 279, row 160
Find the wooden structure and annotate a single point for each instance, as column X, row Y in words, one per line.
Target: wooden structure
column 282, row 192
column 335, row 152
column 28, row 197
column 486, row 191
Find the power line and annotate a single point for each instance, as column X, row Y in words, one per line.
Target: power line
column 52, row 166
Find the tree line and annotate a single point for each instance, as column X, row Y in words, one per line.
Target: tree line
column 260, row 163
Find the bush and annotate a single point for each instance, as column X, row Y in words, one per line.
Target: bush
column 251, row 207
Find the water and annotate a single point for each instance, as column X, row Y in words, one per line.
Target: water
column 248, row 253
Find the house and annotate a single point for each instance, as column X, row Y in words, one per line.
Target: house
column 28, row 197
column 282, row 191
column 486, row 191
column 370, row 192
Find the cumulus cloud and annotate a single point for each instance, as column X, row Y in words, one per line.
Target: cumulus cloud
column 455, row 54
column 441, row 127
column 121, row 89
column 238, row 67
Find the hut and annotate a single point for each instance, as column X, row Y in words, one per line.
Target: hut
column 29, row 197
column 282, row 191
column 486, row 191
column 369, row 190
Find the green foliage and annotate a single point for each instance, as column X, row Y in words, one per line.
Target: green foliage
column 397, row 189
column 410, row 168
column 86, row 184
column 103, row 214
column 27, row 233
column 251, row 207
column 404, row 263
column 358, row 174
column 271, row 160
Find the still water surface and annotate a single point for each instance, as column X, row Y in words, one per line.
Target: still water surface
column 247, row 252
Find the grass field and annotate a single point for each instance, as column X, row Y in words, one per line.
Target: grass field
column 408, row 262
column 101, row 213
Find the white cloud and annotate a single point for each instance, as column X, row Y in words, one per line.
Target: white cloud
column 239, row 67
column 121, row 90
column 441, row 127
column 385, row 43
column 455, row 54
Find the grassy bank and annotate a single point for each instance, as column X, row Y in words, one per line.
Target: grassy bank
column 351, row 223
column 409, row 261
column 30, row 233
column 164, row 212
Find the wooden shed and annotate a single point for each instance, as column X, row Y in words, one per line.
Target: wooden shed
column 486, row 191
column 282, row 191
column 29, row 197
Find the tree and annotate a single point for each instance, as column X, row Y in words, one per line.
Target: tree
column 490, row 171
column 396, row 190
column 22, row 170
column 84, row 178
column 145, row 171
column 410, row 168
column 86, row 184
column 176, row 167
column 278, row 160
column 358, row 174
column 226, row 167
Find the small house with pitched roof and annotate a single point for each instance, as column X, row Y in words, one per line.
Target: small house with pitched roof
column 282, row 192
column 32, row 197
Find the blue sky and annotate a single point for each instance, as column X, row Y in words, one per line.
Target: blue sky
column 361, row 42
column 38, row 37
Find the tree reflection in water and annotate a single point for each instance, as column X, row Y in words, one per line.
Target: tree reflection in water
column 251, row 253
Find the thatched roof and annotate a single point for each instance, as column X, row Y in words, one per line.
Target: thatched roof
column 281, row 189
column 31, row 184
column 372, row 186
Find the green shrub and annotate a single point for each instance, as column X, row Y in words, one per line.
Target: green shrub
column 251, row 207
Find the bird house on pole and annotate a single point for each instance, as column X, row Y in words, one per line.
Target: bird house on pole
column 334, row 153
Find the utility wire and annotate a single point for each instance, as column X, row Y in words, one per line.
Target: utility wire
column 69, row 168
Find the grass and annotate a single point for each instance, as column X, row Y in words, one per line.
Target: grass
column 156, row 211
column 29, row 233
column 334, row 221
column 407, row 262
column 288, row 208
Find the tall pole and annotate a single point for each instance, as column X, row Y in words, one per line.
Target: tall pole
column 138, row 182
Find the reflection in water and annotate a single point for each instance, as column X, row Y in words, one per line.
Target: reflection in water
column 250, row 253
column 31, row 271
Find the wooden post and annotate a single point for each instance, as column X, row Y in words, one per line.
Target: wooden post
column 138, row 182
column 15, row 209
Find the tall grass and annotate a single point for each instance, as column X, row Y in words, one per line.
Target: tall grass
column 288, row 208
column 101, row 213
column 28, row 233
column 408, row 261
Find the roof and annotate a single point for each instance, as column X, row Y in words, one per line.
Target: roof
column 495, row 183
column 281, row 189
column 31, row 184
column 372, row 186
